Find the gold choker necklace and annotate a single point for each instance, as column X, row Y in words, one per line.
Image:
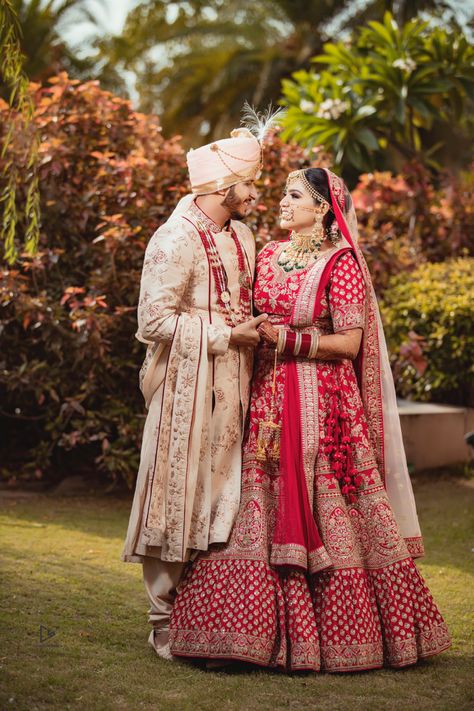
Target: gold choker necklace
column 301, row 251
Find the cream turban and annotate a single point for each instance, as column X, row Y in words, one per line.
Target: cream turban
column 224, row 163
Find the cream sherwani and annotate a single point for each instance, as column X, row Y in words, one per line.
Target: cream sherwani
column 196, row 388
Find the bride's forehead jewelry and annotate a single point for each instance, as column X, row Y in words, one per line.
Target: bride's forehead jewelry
column 300, row 175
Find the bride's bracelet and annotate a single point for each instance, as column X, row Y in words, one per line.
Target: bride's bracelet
column 281, row 342
column 294, row 343
column 314, row 347
column 297, row 346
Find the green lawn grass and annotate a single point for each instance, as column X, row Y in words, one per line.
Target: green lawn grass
column 61, row 569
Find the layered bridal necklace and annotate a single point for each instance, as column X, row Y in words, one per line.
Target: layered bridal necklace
column 304, row 249
column 301, row 251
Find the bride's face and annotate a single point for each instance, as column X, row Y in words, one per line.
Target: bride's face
column 296, row 208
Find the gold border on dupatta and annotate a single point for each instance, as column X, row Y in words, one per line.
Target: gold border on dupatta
column 294, row 554
column 415, row 546
column 301, row 317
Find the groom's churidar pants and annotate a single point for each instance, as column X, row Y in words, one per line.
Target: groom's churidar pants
column 161, row 579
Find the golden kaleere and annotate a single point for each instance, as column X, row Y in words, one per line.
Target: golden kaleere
column 268, row 441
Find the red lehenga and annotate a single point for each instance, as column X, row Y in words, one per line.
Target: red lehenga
column 318, row 573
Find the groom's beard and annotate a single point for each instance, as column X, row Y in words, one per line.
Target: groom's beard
column 235, row 206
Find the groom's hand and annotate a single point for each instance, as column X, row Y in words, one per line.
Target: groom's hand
column 246, row 334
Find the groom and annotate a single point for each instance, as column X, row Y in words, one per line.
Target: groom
column 195, row 315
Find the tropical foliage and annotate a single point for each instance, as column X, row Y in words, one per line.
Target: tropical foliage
column 397, row 93
column 196, row 61
column 18, row 137
column 69, row 360
column 41, row 24
column 429, row 323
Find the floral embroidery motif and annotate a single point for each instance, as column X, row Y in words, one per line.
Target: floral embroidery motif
column 371, row 605
column 184, row 503
column 361, row 531
column 385, row 530
column 339, row 539
column 337, row 188
column 249, row 525
column 347, row 295
column 415, row 547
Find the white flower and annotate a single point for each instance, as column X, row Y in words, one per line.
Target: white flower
column 332, row 109
column 407, row 65
column 307, row 106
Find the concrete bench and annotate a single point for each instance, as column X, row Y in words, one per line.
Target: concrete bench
column 434, row 434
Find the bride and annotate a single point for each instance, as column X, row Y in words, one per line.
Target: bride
column 318, row 573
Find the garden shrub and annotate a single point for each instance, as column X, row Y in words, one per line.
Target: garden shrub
column 429, row 323
column 108, row 178
column 406, row 219
column 69, row 361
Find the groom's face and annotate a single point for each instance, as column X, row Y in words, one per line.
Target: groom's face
column 240, row 199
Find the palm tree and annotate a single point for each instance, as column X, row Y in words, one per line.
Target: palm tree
column 41, row 23
column 196, row 61
column 196, row 66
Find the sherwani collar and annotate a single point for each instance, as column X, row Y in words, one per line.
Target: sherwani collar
column 208, row 221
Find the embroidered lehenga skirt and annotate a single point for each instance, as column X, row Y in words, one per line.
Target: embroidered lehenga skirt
column 370, row 607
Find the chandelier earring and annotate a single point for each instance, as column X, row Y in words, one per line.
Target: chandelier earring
column 334, row 234
column 318, row 232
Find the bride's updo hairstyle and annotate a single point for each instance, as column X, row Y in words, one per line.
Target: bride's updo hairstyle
column 319, row 180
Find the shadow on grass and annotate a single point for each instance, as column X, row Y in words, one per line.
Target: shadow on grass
column 66, row 575
column 445, row 519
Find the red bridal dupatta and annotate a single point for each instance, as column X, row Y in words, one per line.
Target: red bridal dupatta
column 296, row 540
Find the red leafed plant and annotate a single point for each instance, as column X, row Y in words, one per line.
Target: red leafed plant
column 69, row 361
column 407, row 220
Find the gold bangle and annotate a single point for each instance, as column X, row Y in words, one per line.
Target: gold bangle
column 297, row 347
column 314, row 345
column 281, row 342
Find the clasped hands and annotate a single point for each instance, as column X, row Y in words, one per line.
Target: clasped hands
column 252, row 332
column 268, row 333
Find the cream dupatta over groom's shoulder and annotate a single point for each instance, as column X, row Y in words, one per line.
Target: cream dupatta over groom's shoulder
column 195, row 315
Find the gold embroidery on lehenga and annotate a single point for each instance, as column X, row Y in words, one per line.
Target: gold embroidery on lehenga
column 248, row 529
column 415, row 547
column 294, row 554
column 369, row 607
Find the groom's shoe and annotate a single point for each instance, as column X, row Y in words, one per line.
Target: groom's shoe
column 159, row 641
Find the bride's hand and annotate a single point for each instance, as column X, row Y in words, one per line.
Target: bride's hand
column 268, row 333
